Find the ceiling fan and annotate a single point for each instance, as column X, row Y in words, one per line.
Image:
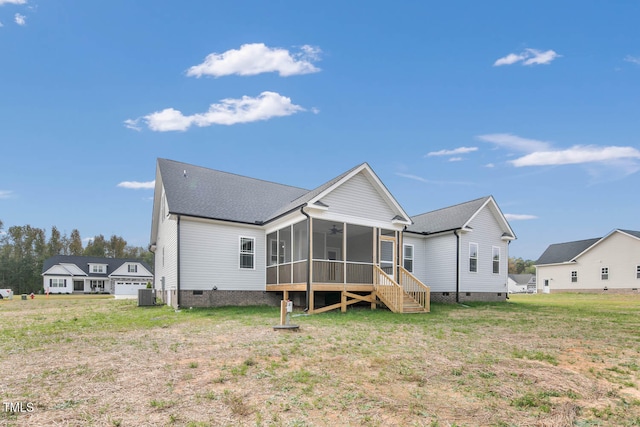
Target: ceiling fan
column 335, row 230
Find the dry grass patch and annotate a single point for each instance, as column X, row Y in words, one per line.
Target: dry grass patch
column 533, row 361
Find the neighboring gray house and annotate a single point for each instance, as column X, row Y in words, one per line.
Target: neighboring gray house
column 522, row 283
column 462, row 251
column 67, row 274
column 610, row 263
column 226, row 239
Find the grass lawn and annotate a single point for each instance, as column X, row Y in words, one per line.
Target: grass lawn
column 536, row 360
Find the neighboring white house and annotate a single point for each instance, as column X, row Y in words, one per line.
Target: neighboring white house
column 226, row 239
column 610, row 263
column 66, row 274
column 462, row 251
column 522, row 283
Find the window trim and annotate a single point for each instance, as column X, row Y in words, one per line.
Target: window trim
column 574, row 276
column 252, row 252
column 132, row 268
column 604, row 273
column 493, row 260
column 471, row 244
column 405, row 258
column 638, row 271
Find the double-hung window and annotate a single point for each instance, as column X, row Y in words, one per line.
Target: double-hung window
column 473, row 257
column 247, row 252
column 408, row 258
column 604, row 273
column 495, row 256
column 574, row 276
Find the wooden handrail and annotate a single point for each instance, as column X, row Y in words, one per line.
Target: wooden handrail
column 417, row 290
column 388, row 290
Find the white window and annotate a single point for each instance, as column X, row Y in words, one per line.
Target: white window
column 408, row 258
column 132, row 268
column 637, row 271
column 495, row 256
column 574, row 276
column 604, row 273
column 97, row 268
column 247, row 252
column 473, row 257
column 57, row 283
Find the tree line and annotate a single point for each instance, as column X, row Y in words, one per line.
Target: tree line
column 23, row 250
column 521, row 266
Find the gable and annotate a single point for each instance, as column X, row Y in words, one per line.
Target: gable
column 358, row 197
column 123, row 270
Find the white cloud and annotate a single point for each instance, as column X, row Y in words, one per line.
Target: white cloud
column 489, row 165
column 577, row 154
column 256, row 58
column 5, row 194
column 12, row 2
column 459, row 150
column 228, row 112
column 519, row 217
column 528, row 57
column 514, row 142
column 633, row 59
column 1, row 25
column 512, row 58
column 135, row 185
column 20, row 19
column 413, row 177
column 456, row 159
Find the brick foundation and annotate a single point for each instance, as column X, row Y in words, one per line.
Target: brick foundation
column 228, row 298
column 596, row 291
column 450, row 297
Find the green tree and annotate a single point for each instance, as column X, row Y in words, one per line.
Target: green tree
column 75, row 243
column 116, row 247
column 55, row 245
column 96, row 247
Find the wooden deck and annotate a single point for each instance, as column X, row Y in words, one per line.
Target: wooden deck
column 411, row 296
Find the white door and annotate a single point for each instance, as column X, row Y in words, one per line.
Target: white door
column 545, row 290
column 388, row 256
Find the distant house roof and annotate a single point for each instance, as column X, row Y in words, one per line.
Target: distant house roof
column 523, row 279
column 455, row 218
column 558, row 253
column 207, row 193
column 82, row 263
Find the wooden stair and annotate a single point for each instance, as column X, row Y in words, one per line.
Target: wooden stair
column 413, row 297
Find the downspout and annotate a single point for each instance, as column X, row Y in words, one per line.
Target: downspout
column 178, row 262
column 457, row 266
column 308, row 254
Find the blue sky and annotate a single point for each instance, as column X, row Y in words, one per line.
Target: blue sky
column 535, row 103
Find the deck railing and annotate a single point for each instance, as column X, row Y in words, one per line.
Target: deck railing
column 415, row 288
column 388, row 290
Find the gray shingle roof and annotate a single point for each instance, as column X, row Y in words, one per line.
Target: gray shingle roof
column 631, row 232
column 208, row 193
column 565, row 252
column 521, row 279
column 83, row 263
column 450, row 218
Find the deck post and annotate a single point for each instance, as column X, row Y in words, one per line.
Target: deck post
column 285, row 295
column 343, row 306
column 373, row 301
column 311, row 302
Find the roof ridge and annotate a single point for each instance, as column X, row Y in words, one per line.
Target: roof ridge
column 452, row 206
column 235, row 174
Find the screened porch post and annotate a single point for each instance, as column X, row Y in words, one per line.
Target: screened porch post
column 310, row 252
column 344, row 252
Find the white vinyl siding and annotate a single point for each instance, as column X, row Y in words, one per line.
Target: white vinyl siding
column 166, row 255
column 210, row 256
column 434, row 260
column 487, row 233
column 359, row 198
